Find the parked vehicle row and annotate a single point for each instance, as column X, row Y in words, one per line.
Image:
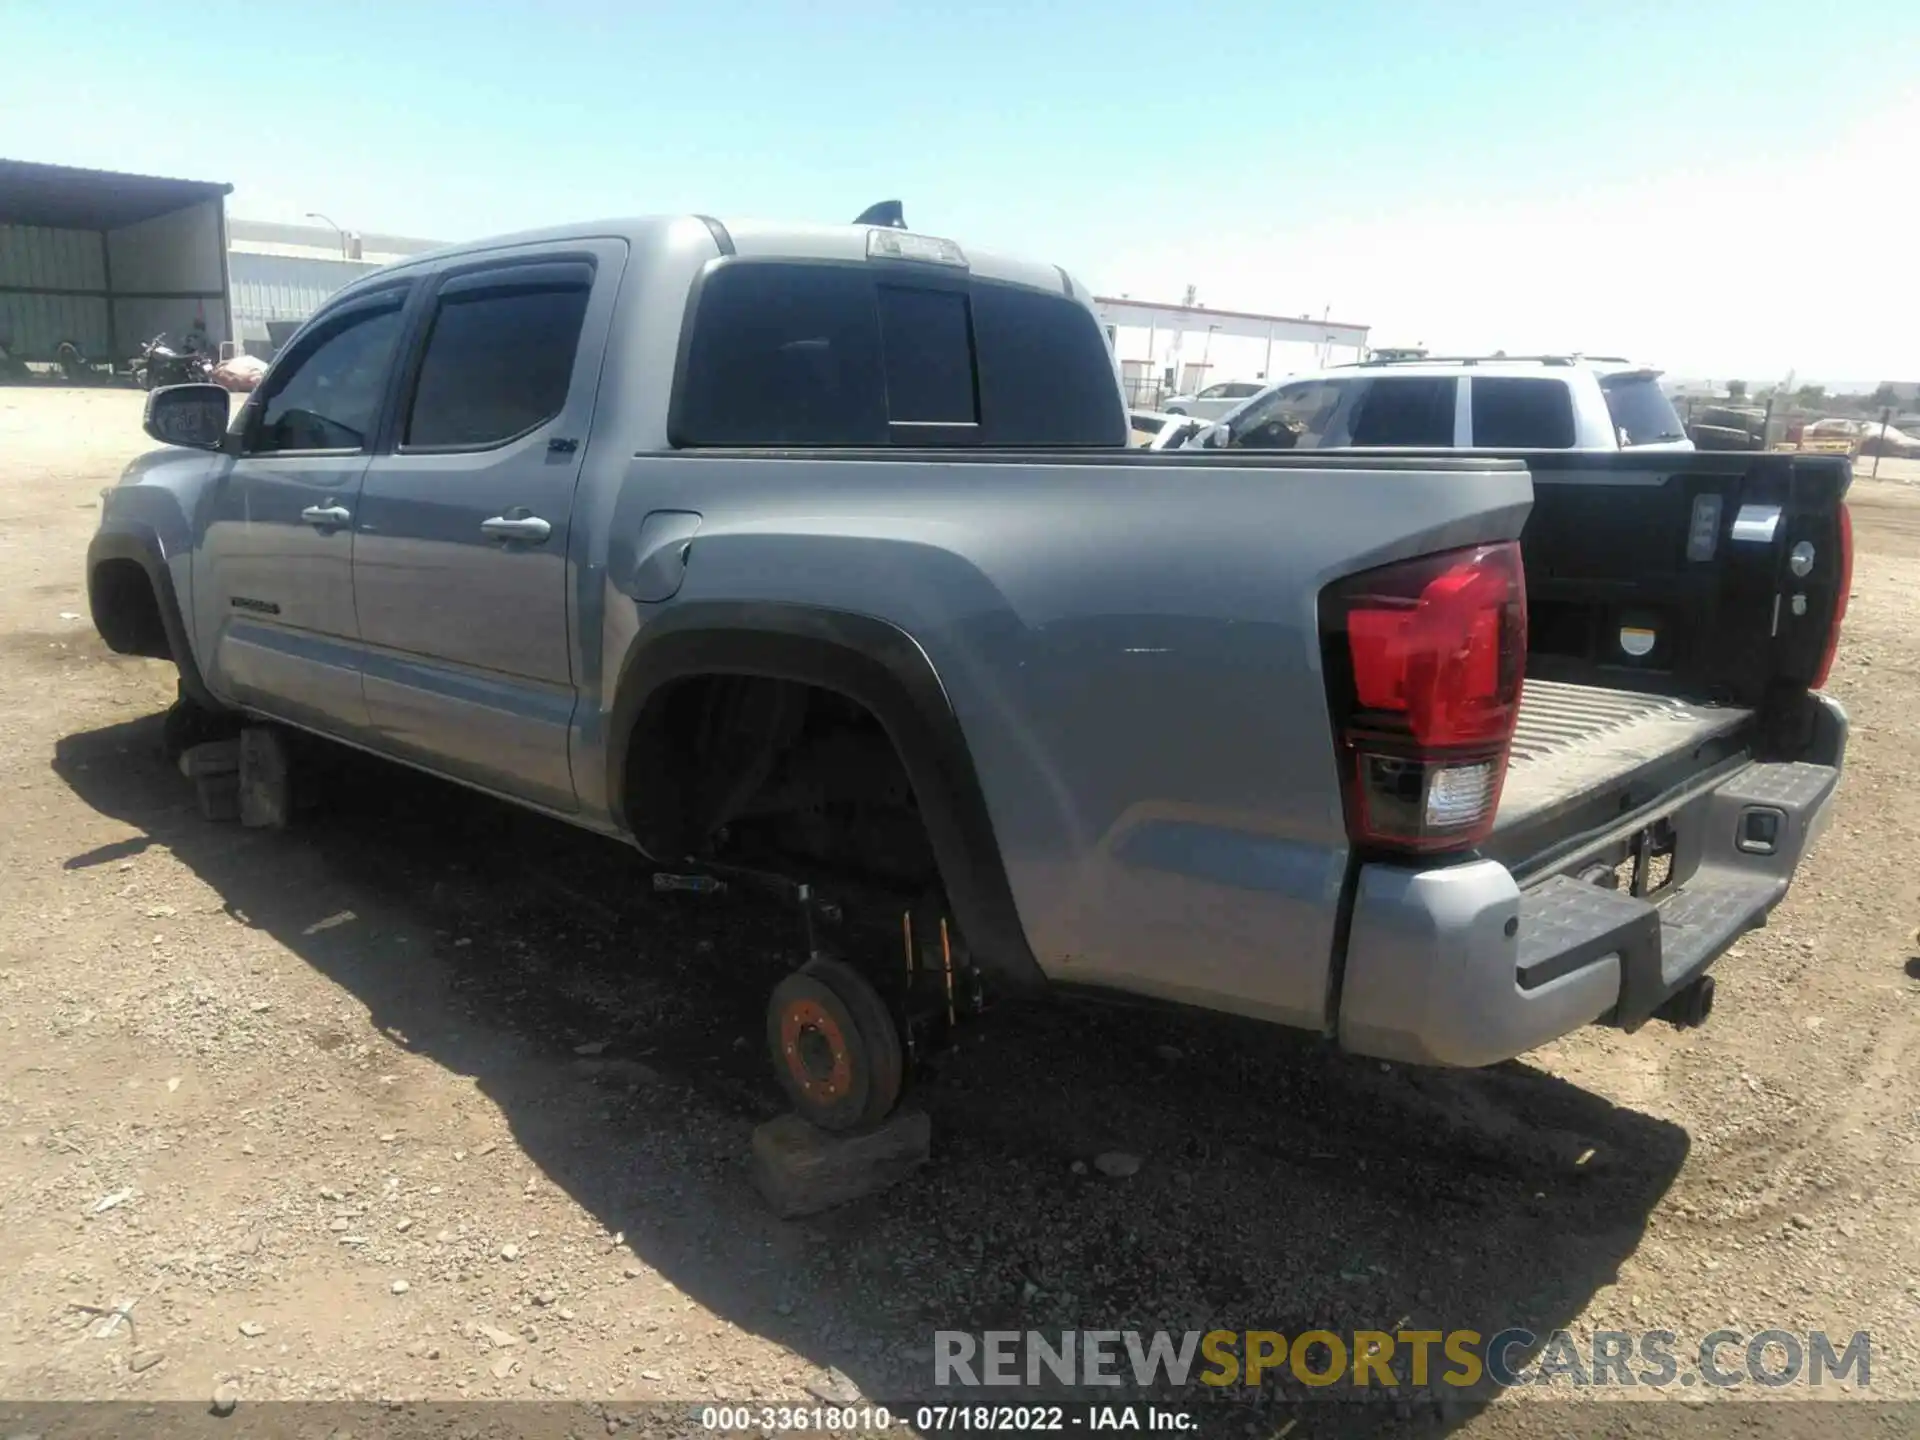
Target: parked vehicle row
column 820, row 558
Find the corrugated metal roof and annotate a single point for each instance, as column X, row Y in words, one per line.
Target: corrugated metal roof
column 65, row 197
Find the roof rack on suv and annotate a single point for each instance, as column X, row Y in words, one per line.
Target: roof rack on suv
column 1415, row 357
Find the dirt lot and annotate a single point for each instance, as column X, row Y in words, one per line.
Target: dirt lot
column 313, row 1102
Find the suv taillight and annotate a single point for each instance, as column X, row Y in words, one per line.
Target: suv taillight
column 1424, row 661
column 1840, row 598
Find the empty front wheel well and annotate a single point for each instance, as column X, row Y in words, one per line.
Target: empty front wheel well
column 126, row 611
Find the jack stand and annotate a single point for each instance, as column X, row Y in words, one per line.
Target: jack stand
column 815, row 951
column 815, row 913
column 939, row 987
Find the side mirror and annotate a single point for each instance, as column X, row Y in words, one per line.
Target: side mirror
column 190, row 415
column 1217, row 436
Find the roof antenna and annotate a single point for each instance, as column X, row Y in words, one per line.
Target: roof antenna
column 887, row 213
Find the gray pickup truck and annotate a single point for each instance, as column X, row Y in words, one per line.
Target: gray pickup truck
column 818, row 556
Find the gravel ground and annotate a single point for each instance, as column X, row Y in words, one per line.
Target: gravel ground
column 429, row 1098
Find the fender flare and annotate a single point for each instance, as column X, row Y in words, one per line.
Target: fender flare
column 143, row 548
column 880, row 667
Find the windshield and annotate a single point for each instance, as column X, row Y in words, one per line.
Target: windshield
column 1293, row 417
column 1640, row 409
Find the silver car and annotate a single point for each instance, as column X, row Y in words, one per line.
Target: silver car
column 1215, row 400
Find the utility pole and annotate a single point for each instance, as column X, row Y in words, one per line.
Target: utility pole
column 1173, row 377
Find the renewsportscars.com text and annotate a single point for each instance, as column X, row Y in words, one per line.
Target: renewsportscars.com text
column 1460, row 1359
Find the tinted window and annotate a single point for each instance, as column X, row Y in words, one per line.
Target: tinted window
column 830, row 355
column 784, row 355
column 1405, row 410
column 1239, row 390
column 497, row 364
column 1521, row 414
column 926, row 337
column 1046, row 375
column 1294, row 417
column 330, row 397
column 1640, row 409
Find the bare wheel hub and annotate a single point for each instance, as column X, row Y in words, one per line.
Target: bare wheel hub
column 815, row 1050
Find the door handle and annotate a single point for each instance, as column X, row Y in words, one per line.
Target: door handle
column 326, row 517
column 530, row 529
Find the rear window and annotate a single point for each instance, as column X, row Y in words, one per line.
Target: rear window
column 926, row 341
column 865, row 355
column 1405, row 410
column 1046, row 374
column 1512, row 413
column 1640, row 409
column 497, row 364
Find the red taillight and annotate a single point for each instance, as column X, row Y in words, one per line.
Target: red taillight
column 1424, row 664
column 1840, row 598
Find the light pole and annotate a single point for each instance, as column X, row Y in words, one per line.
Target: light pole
column 316, row 215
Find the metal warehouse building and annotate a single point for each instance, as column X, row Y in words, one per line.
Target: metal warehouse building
column 1163, row 348
column 283, row 273
column 107, row 261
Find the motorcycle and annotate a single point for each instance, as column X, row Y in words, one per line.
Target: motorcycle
column 13, row 370
column 158, row 364
column 75, row 367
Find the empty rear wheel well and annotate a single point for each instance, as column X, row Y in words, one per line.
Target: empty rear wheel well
column 750, row 768
column 126, row 611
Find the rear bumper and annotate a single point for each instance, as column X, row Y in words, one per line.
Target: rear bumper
column 1460, row 966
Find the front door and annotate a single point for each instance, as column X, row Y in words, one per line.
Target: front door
column 274, row 579
column 460, row 557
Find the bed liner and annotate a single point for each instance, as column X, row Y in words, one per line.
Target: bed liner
column 1574, row 739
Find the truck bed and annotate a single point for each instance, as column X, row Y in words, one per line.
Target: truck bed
column 1574, row 741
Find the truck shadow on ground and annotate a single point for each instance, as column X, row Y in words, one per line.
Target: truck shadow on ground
column 1282, row 1187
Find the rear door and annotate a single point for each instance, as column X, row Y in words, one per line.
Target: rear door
column 1520, row 412
column 1396, row 411
column 274, row 573
column 460, row 558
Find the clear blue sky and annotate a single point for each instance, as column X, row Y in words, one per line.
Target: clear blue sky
column 1455, row 173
